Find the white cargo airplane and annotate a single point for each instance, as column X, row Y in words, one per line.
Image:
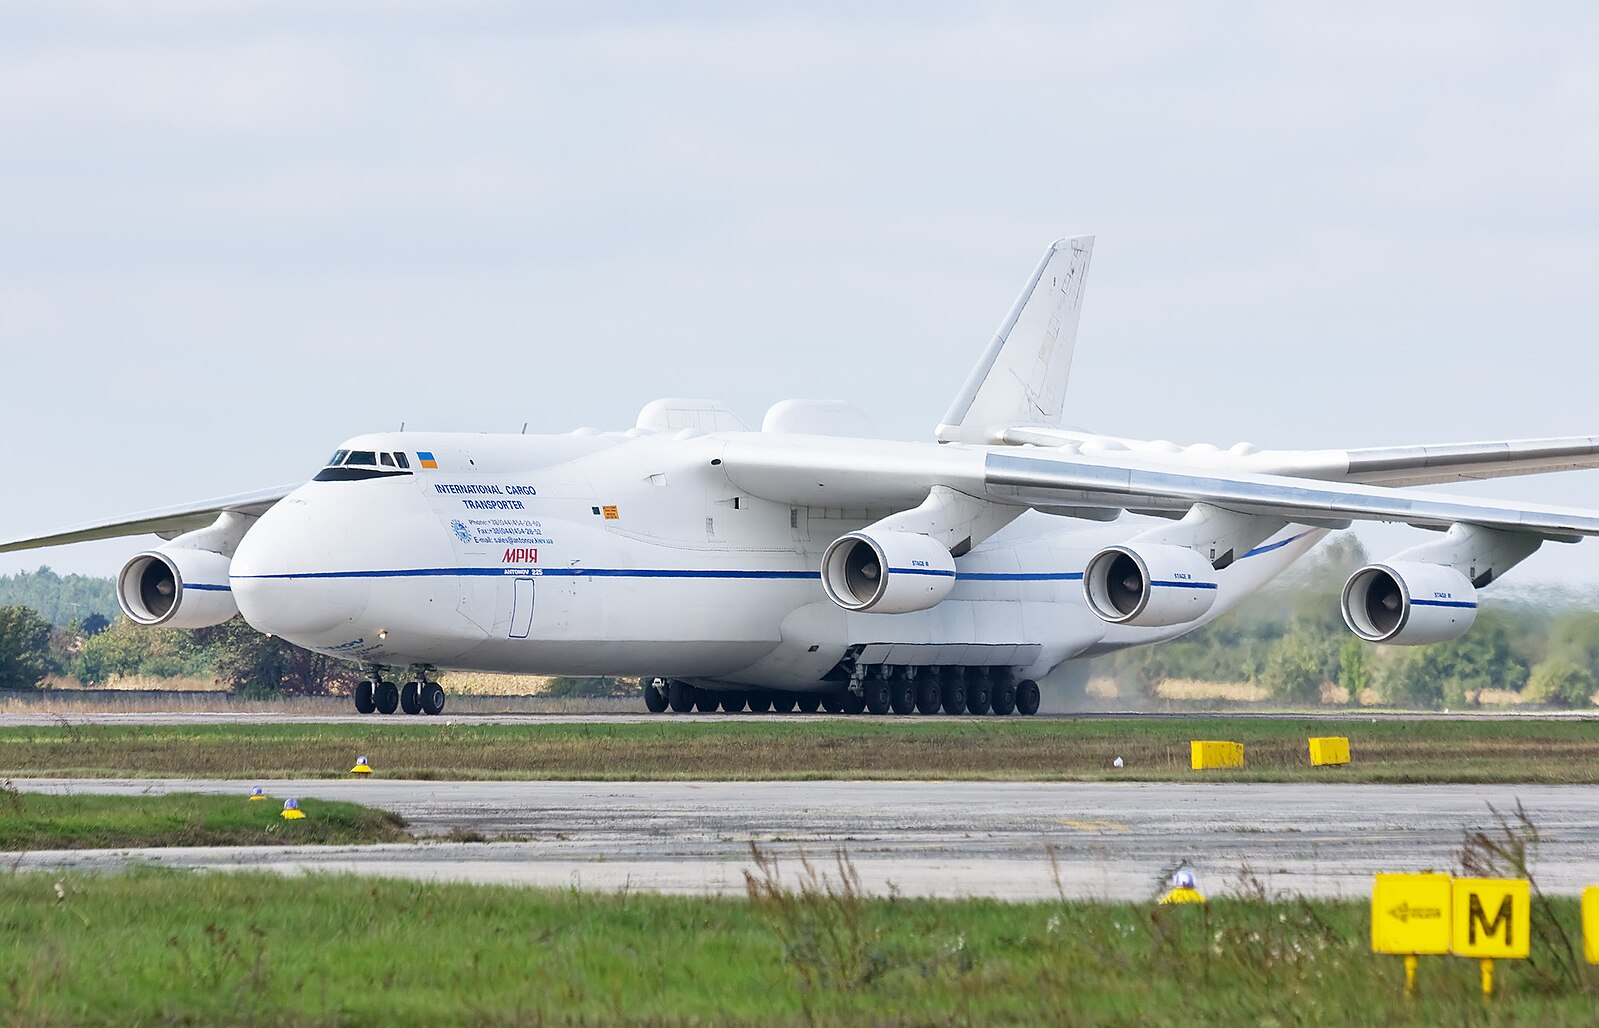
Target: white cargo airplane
column 808, row 564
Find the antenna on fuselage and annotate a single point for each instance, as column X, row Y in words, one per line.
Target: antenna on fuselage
column 524, row 428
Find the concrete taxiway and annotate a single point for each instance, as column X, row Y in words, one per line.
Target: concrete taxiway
column 1004, row 840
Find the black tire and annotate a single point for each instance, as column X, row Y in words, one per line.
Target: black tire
column 386, row 697
column 849, row 703
column 760, row 702
column 807, row 702
column 654, row 699
column 901, row 695
column 879, row 697
column 432, row 699
column 411, row 698
column 833, row 702
column 1027, row 698
column 783, row 702
column 680, row 697
column 1003, row 695
column 706, row 701
column 733, row 702
column 953, row 693
column 928, row 695
column 363, row 698
column 978, row 695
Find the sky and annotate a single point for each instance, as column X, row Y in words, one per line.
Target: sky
column 234, row 234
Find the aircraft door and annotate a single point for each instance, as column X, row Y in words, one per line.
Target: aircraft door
column 521, row 607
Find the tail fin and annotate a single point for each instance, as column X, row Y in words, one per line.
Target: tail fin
column 1022, row 376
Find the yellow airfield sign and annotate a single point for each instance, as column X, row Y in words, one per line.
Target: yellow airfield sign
column 1590, row 923
column 1492, row 918
column 1410, row 914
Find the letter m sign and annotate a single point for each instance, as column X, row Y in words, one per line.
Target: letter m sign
column 1492, row 918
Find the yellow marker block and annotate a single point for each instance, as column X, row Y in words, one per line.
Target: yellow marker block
column 1410, row 914
column 1491, row 919
column 1205, row 755
column 1590, row 923
column 1329, row 749
column 1183, row 896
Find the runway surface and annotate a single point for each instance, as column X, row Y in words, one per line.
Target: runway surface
column 1109, row 840
column 46, row 718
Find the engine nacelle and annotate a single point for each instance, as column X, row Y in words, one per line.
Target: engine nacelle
column 1408, row 603
column 1153, row 586
column 887, row 572
column 177, row 588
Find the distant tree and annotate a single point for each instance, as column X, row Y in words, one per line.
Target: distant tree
column 94, row 624
column 1560, row 683
column 250, row 661
column 60, row 599
column 1448, row 674
column 1294, row 670
column 1354, row 669
column 24, row 648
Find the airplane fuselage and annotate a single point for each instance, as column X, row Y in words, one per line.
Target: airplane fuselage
column 637, row 554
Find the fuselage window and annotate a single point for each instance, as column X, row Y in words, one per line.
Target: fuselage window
column 387, row 459
column 367, row 457
column 337, row 458
column 405, row 462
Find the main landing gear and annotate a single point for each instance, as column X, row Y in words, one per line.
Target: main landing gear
column 418, row 696
column 881, row 690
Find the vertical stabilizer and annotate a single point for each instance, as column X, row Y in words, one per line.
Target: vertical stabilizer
column 1021, row 379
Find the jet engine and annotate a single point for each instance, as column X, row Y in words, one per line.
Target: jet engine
column 887, row 572
column 1408, row 603
column 178, row 588
column 1149, row 586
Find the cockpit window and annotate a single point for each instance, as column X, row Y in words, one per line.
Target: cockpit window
column 404, row 461
column 366, row 457
column 387, row 460
column 337, row 458
column 361, row 465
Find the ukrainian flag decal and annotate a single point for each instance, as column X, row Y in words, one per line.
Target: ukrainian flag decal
column 426, row 457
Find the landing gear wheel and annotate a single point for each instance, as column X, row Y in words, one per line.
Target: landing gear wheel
column 833, row 702
column 879, row 697
column 953, row 693
column 850, row 703
column 733, row 702
column 1003, row 695
column 654, row 695
column 706, row 701
column 901, row 694
column 927, row 695
column 680, row 697
column 1027, row 698
column 410, row 695
column 760, row 702
column 808, row 702
column 978, row 699
column 363, row 698
column 432, row 699
column 386, row 697
column 783, row 702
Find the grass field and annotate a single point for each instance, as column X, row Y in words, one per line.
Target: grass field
column 1471, row 751
column 154, row 947
column 33, row 821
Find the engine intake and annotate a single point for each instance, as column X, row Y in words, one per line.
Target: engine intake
column 1152, row 586
column 887, row 572
column 178, row 588
column 1408, row 603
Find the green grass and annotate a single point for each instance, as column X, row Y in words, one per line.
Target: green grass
column 1154, row 749
column 153, row 947
column 35, row 821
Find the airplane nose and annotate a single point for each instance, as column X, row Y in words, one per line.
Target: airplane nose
column 283, row 579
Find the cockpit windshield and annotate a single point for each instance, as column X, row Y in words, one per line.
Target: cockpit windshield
column 354, row 465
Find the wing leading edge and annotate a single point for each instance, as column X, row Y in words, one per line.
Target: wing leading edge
column 165, row 521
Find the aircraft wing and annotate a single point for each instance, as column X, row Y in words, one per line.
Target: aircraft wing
column 1046, row 480
column 166, row 521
